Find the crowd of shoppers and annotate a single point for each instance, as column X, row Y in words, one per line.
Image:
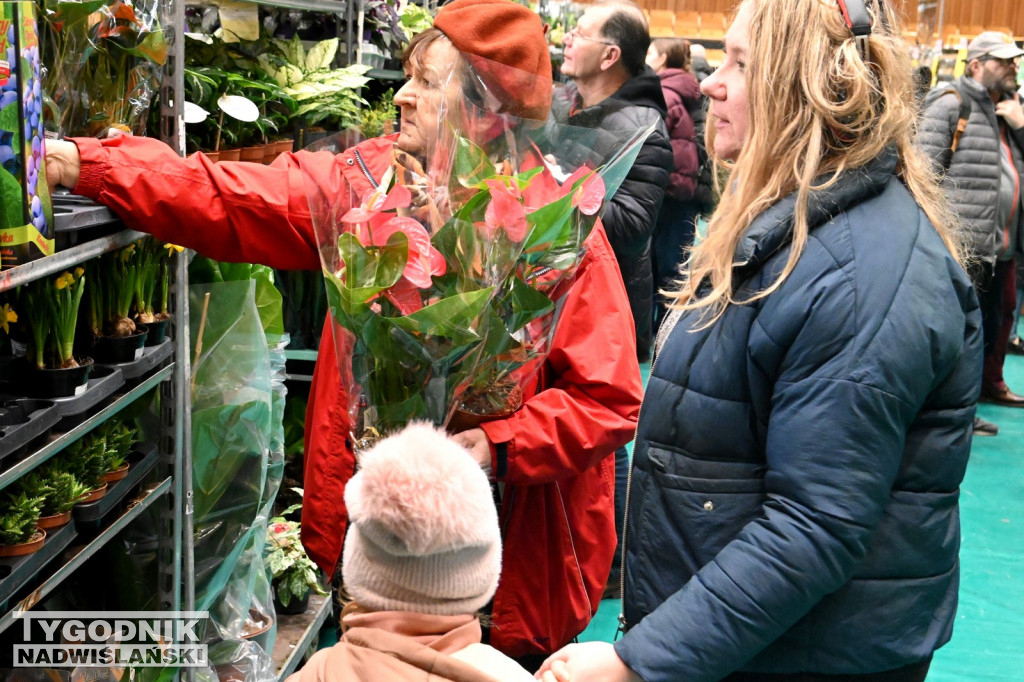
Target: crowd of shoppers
column 792, row 513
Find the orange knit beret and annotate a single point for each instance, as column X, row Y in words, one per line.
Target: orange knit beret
column 505, row 32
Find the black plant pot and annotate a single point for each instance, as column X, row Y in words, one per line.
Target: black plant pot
column 157, row 331
column 57, row 383
column 116, row 349
column 295, row 606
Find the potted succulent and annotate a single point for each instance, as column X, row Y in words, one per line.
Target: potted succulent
column 118, row 439
column 86, row 460
column 50, row 308
column 19, row 534
column 293, row 573
column 59, row 490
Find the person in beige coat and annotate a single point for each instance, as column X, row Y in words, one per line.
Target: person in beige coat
column 422, row 557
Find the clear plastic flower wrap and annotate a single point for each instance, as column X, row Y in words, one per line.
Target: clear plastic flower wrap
column 445, row 282
column 105, row 59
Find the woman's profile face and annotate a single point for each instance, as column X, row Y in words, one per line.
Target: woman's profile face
column 727, row 88
column 431, row 77
column 654, row 60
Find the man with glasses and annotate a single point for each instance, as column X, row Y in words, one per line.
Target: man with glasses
column 984, row 168
column 614, row 89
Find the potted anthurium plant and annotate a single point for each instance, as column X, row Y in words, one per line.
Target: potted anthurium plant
column 50, row 309
column 293, row 573
column 106, row 57
column 19, row 514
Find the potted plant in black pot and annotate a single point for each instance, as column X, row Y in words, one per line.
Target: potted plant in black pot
column 50, row 308
column 120, row 340
column 294, row 575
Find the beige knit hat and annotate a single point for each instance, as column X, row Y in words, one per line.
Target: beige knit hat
column 423, row 533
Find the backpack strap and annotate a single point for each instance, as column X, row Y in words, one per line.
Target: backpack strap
column 962, row 117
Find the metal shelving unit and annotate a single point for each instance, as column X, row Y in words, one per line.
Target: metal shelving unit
column 295, row 634
column 172, row 492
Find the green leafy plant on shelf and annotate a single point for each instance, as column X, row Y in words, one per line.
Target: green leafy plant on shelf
column 50, row 308
column 86, row 460
column 59, row 489
column 294, row 573
column 380, row 118
column 323, row 93
column 118, row 439
column 19, row 513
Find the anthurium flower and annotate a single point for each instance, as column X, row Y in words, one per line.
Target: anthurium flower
column 590, row 195
column 504, row 213
column 424, row 260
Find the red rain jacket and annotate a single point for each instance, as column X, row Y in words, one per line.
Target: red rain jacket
column 557, row 510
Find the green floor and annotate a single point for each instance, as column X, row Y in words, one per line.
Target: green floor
column 988, row 640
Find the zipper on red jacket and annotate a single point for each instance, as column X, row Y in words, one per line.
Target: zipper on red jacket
column 1016, row 191
column 366, row 171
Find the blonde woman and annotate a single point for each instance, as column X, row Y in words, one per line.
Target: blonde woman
column 793, row 501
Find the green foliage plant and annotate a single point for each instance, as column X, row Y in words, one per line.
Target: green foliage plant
column 19, row 513
column 323, row 93
column 293, row 572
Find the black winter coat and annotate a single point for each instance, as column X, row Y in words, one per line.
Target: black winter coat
column 630, row 216
column 793, row 501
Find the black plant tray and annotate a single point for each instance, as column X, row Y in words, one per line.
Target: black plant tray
column 42, row 416
column 103, row 381
column 16, row 571
column 143, row 459
column 72, row 212
column 151, row 357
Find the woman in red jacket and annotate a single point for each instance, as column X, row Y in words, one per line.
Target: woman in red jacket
column 553, row 456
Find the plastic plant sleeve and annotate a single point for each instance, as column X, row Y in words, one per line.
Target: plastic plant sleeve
column 447, row 278
column 106, row 58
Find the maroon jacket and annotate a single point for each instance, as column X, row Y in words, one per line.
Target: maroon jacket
column 556, row 451
column 682, row 91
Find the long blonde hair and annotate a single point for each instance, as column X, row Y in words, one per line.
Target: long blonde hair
column 815, row 109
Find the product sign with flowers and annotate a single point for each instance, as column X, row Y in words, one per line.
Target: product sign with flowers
column 445, row 285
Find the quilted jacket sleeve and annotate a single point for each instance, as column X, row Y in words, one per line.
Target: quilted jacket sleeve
column 935, row 131
column 591, row 404
column 236, row 212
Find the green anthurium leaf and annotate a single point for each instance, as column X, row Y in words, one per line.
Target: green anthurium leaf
column 455, row 317
column 551, row 224
column 73, row 12
column 527, row 305
column 472, row 166
column 379, row 270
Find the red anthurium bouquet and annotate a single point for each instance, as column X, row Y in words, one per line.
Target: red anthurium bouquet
column 445, row 291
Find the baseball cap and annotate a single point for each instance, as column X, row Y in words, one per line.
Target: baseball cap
column 993, row 44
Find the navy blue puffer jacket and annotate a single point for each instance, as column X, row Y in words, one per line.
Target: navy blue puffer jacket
column 793, row 504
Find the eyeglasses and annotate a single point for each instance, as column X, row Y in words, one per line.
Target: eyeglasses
column 1003, row 62
column 575, row 34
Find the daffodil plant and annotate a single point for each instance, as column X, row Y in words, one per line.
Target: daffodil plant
column 51, row 308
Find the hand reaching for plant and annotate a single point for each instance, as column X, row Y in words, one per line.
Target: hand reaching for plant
column 475, row 440
column 63, row 164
